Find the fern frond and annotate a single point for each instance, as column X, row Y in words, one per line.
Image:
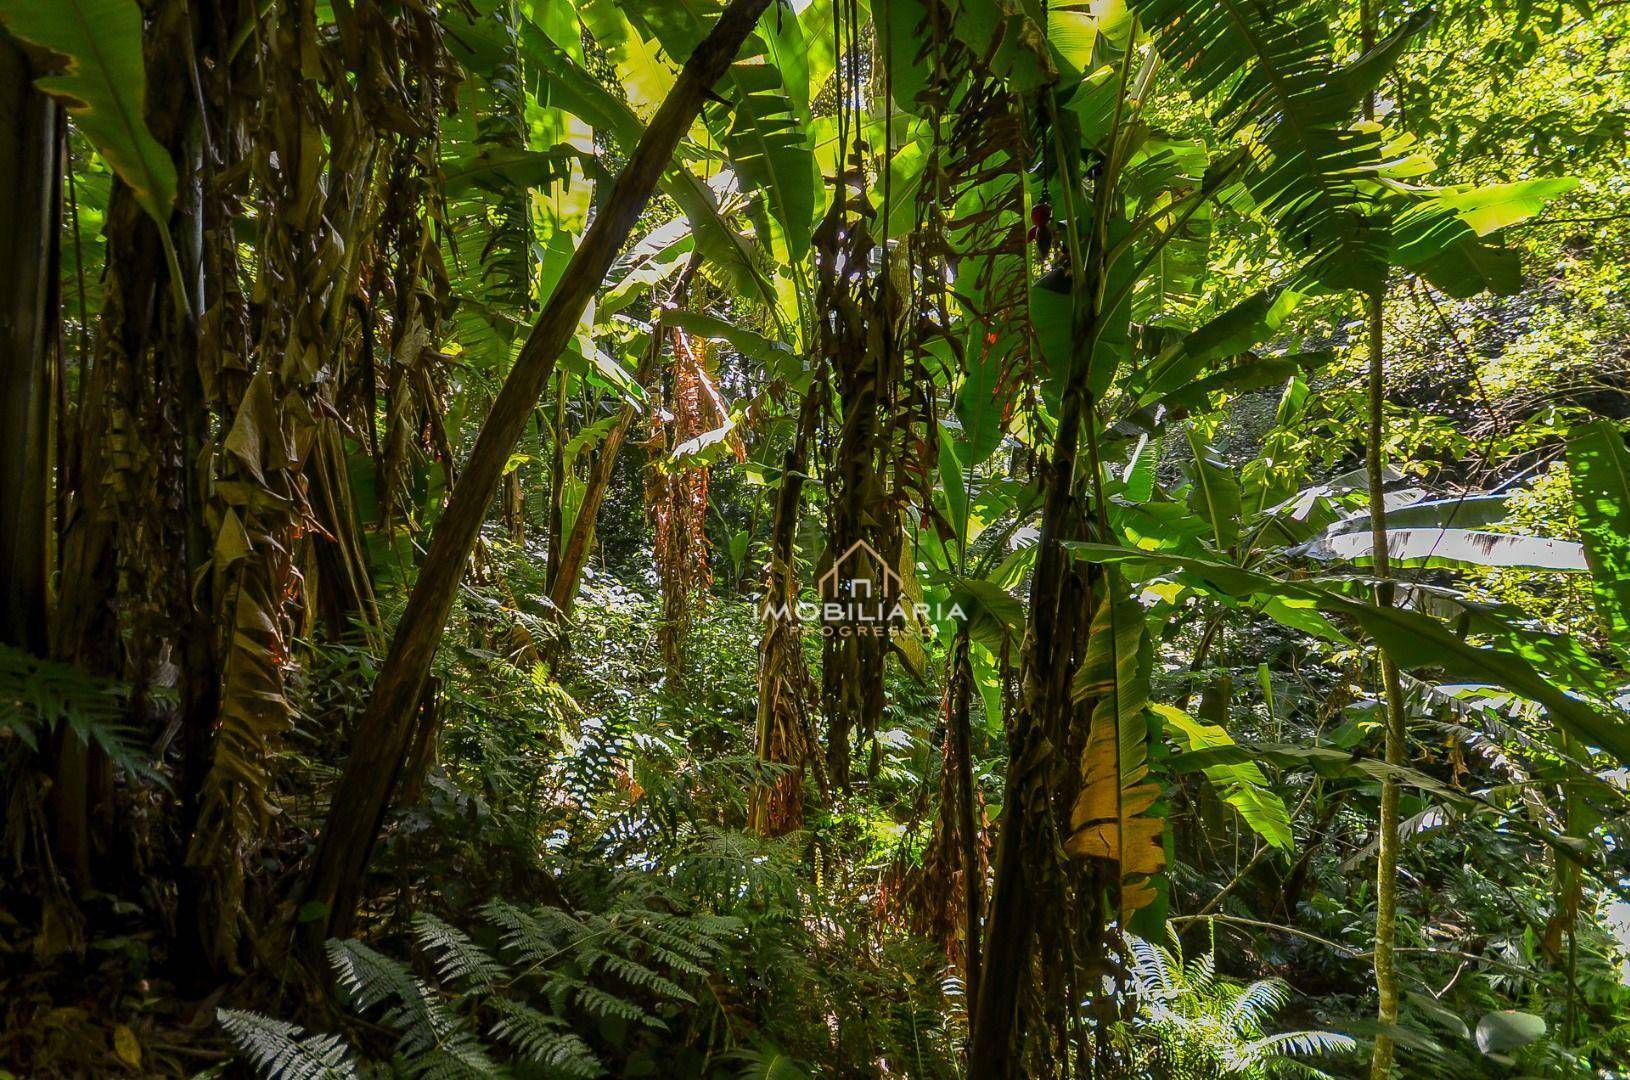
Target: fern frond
column 544, row 1040
column 460, row 1058
column 37, row 695
column 457, row 958
column 1202, row 974
column 534, row 935
column 368, row 976
column 282, row 1051
column 597, row 1002
column 433, row 1039
column 769, row 1062
column 1255, row 1004
column 637, row 974
column 1300, row 1044
column 1154, row 973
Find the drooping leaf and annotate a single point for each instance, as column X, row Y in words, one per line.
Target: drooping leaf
column 1459, row 513
column 566, row 84
column 1600, row 471
column 1242, row 785
column 1449, row 547
column 1214, row 494
column 993, row 614
column 639, row 65
column 1325, row 761
column 774, row 355
column 104, row 86
column 979, row 406
column 1508, row 1029
column 765, row 125
column 953, row 484
column 1414, row 641
column 1229, row 334
column 1441, row 237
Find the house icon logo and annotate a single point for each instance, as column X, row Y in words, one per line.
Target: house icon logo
column 862, row 593
column 860, row 576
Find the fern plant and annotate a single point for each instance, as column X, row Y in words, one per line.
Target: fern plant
column 530, row 1002
column 38, row 695
column 1191, row 1022
column 280, row 1049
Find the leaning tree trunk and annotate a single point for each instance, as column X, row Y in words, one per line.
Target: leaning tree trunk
column 580, row 541
column 565, row 576
column 363, row 794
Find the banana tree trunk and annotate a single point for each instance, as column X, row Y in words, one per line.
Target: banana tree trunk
column 784, row 734
column 1060, row 596
column 1046, row 735
column 363, row 793
column 857, row 342
column 30, row 178
column 124, row 496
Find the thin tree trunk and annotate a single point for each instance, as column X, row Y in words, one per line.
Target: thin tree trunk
column 557, row 482
column 1386, row 866
column 363, row 793
column 972, row 871
column 1386, row 896
column 29, row 198
column 514, row 508
column 345, row 592
column 565, row 576
column 423, row 752
column 574, row 552
column 1296, row 880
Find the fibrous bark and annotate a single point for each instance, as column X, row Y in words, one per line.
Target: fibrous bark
column 785, row 735
column 856, row 338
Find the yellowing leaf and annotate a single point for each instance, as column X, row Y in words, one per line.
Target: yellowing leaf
column 125, row 1046
column 1111, row 819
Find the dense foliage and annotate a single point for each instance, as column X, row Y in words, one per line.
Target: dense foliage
column 778, row 538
